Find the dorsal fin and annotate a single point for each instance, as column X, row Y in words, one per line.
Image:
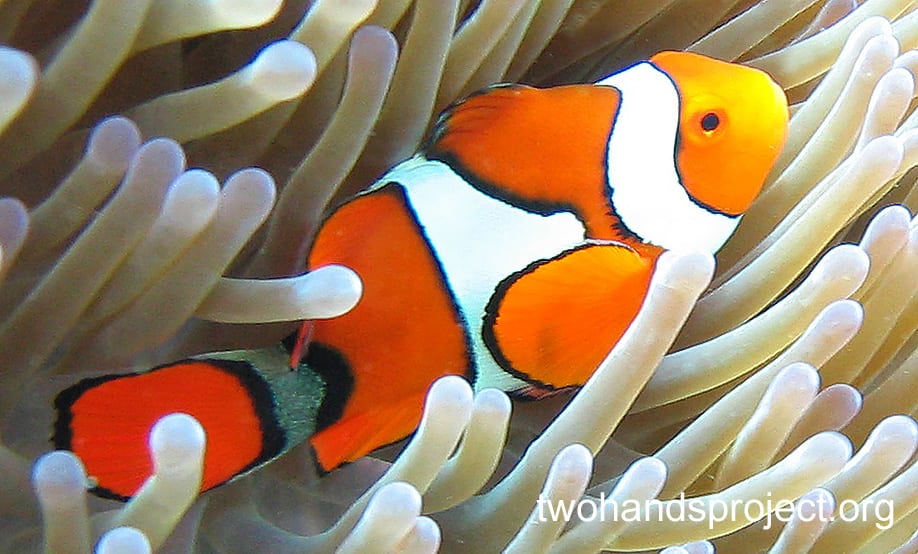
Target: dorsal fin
column 543, row 150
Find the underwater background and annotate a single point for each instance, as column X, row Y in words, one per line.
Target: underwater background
column 164, row 165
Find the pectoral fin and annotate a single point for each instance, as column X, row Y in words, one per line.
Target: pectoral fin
column 552, row 323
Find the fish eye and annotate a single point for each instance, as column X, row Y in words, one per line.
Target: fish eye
column 709, row 122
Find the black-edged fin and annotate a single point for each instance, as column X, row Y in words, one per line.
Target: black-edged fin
column 552, row 323
column 242, row 399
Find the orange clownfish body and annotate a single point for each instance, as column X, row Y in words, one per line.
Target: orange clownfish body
column 514, row 249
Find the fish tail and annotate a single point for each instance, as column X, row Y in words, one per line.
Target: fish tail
column 252, row 406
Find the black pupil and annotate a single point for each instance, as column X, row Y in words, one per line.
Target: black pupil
column 710, row 122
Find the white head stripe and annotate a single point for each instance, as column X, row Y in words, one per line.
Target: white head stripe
column 646, row 191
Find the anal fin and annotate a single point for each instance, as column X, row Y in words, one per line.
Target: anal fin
column 355, row 436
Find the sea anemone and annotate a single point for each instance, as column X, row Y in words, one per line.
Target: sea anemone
column 784, row 376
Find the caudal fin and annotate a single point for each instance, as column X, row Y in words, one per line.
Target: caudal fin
column 106, row 420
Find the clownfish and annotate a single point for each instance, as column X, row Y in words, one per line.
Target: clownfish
column 514, row 249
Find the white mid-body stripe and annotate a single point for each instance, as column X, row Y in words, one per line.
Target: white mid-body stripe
column 479, row 241
column 646, row 191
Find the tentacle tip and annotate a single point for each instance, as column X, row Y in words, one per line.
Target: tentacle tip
column 113, row 142
column 574, row 460
column 398, row 499
column 283, row 70
column 192, row 199
column 333, row 290
column 899, row 429
column 493, row 400
column 688, row 269
column 886, row 153
column 451, row 390
column 177, row 441
column 830, row 448
column 424, row 537
column 820, row 503
column 900, row 81
column 798, row 377
column 650, row 469
column 700, row 547
column 14, row 221
column 18, row 75
column 570, row 472
column 895, row 214
column 878, row 24
column 160, row 155
column 58, row 475
column 124, row 540
column 845, row 261
column 257, row 183
column 372, row 38
column 848, row 395
column 842, row 318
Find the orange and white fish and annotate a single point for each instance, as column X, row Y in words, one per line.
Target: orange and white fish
column 514, row 249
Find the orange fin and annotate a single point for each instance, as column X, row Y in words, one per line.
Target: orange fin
column 354, row 437
column 106, row 420
column 543, row 150
column 552, row 323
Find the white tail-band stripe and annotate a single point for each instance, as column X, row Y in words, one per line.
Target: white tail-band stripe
column 647, row 193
